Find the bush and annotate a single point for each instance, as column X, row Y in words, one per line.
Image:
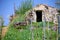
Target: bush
column 25, row 34
column 25, row 6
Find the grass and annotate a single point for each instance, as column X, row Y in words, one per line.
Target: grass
column 25, row 34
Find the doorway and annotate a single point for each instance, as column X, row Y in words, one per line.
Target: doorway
column 39, row 15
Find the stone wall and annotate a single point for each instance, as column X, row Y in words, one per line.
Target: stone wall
column 50, row 13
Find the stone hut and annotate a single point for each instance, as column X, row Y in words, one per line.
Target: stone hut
column 43, row 12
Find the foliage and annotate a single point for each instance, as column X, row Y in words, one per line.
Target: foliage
column 40, row 24
column 20, row 12
column 1, row 25
column 25, row 6
column 25, row 34
column 19, row 18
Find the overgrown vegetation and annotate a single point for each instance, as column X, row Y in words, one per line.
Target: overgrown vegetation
column 1, row 25
column 24, row 33
column 25, row 6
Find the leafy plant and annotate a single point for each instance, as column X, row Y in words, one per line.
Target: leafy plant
column 25, row 34
column 25, row 6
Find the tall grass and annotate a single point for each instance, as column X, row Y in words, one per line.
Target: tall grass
column 25, row 34
column 25, row 6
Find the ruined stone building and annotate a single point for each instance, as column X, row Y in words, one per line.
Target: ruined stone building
column 43, row 12
column 40, row 13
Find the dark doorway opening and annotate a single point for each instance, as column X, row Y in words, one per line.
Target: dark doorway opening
column 39, row 15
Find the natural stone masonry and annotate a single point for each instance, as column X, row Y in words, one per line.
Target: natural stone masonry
column 49, row 12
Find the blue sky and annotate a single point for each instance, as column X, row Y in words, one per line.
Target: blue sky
column 7, row 7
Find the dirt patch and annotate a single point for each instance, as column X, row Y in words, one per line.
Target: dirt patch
column 4, row 30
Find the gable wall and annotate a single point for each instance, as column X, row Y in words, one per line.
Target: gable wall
column 50, row 13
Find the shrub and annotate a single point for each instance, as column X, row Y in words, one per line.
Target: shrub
column 25, row 6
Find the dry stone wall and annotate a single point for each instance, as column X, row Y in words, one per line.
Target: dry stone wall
column 50, row 13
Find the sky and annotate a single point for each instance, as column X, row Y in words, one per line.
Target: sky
column 7, row 7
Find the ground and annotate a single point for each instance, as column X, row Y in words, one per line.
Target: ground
column 4, row 30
